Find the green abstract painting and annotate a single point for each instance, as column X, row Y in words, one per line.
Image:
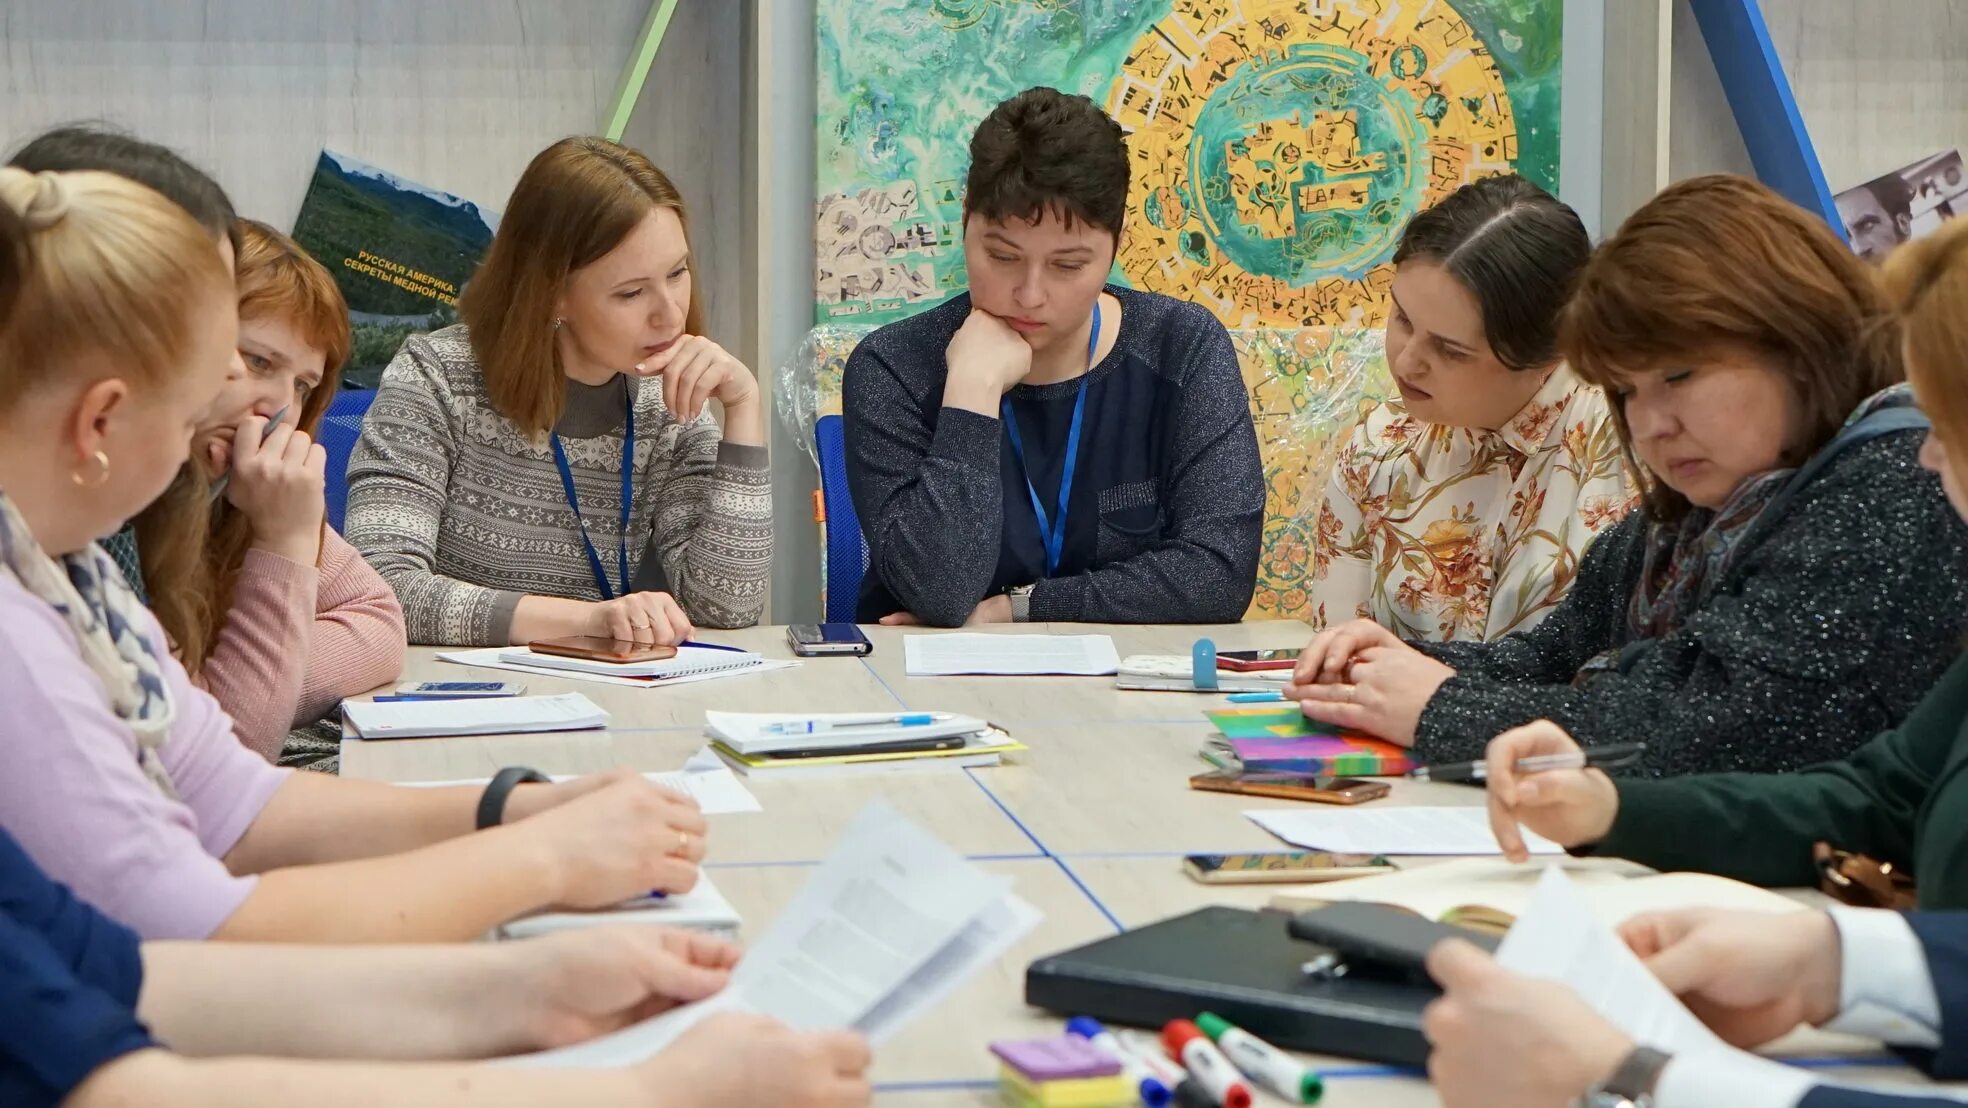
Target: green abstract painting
column 1278, row 145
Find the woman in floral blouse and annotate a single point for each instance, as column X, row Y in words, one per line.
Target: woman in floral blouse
column 1459, row 510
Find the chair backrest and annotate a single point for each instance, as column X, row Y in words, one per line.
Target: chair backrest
column 845, row 551
column 337, row 434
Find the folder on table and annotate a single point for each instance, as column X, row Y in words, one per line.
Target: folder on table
column 506, row 715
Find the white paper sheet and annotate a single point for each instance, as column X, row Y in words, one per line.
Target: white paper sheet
column 1390, row 830
column 717, row 790
column 1010, row 655
column 488, row 658
column 501, row 715
column 891, row 921
column 1559, row 939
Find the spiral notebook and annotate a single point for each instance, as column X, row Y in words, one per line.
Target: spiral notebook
column 690, row 661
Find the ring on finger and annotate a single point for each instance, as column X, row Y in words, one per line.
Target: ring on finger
column 683, row 845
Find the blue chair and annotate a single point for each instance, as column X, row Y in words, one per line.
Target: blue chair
column 337, row 434
column 847, row 552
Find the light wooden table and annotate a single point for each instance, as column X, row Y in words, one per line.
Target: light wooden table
column 1091, row 823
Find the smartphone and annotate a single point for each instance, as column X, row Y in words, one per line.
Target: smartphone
column 597, row 649
column 1292, row 786
column 459, row 689
column 818, row 640
column 1282, row 866
column 1246, row 661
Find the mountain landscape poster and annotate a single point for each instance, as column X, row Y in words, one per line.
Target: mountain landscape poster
column 399, row 251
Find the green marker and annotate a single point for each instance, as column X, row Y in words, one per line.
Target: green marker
column 1263, row 1063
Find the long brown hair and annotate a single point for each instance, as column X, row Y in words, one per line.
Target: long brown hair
column 192, row 548
column 1722, row 261
column 577, row 200
column 1928, row 282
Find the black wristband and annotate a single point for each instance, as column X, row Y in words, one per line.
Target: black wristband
column 492, row 804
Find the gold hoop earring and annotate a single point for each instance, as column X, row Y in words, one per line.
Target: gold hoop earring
column 102, row 460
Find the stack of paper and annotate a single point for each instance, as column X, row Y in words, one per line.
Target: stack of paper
column 891, row 923
column 1177, row 673
column 703, row 908
column 506, row 715
column 704, row 779
column 1010, row 655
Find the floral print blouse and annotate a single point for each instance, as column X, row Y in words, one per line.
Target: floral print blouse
column 1454, row 533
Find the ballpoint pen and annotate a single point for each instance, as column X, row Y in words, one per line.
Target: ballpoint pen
column 1613, row 754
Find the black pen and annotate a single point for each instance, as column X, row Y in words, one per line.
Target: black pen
column 1614, row 754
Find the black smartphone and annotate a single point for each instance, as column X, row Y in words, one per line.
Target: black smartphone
column 819, row 640
column 1380, row 938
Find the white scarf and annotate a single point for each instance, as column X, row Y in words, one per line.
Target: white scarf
column 104, row 612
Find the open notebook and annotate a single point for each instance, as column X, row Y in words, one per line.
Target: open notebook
column 1488, row 894
column 501, row 715
column 690, row 661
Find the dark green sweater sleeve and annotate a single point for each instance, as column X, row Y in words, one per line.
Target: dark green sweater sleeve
column 1759, row 827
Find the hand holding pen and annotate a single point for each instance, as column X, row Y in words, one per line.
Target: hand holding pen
column 1573, row 803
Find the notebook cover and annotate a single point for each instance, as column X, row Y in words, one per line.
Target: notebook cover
column 1345, row 755
column 1244, row 967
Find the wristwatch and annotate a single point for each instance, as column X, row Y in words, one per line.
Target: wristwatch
column 1632, row 1084
column 1021, row 603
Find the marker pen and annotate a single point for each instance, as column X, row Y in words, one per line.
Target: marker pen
column 1153, row 1092
column 1206, row 1063
column 1150, row 1054
column 1263, row 1063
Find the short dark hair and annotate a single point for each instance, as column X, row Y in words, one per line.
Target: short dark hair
column 1042, row 151
column 1894, row 194
column 1517, row 249
column 92, row 146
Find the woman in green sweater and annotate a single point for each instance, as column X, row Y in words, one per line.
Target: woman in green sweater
column 1901, row 799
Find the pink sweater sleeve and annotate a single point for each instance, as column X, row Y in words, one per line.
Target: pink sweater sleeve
column 254, row 669
column 359, row 639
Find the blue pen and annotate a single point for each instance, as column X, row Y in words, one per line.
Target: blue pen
column 1256, row 697
column 398, row 699
column 816, row 726
column 716, row 646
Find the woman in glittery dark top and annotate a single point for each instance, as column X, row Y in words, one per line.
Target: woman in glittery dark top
column 1795, row 582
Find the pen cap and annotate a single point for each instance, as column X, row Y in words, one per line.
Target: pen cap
column 1212, row 1025
column 1086, row 1027
column 1178, row 1034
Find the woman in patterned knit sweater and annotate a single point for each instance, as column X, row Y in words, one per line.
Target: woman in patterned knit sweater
column 521, row 476
column 270, row 610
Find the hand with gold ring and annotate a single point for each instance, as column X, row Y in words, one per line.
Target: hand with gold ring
column 611, row 837
column 1382, row 693
column 643, row 617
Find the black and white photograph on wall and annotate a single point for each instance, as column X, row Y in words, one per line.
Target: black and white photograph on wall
column 1905, row 204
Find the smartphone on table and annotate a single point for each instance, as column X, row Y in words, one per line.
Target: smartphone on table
column 1282, row 867
column 595, row 648
column 1249, row 661
column 819, row 640
column 1292, row 786
column 459, row 690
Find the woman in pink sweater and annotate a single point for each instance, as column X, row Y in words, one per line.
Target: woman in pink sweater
column 270, row 610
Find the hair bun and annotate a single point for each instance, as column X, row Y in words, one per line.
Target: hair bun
column 41, row 199
column 47, row 204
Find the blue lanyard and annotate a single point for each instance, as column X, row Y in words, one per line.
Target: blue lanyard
column 574, row 502
column 1053, row 532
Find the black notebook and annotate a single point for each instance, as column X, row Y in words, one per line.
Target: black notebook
column 1245, row 967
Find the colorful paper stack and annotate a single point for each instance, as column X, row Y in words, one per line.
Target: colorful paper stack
column 1066, row 1072
column 1281, row 740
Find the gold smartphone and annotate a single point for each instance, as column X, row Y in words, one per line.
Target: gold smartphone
column 1283, row 866
column 1292, row 786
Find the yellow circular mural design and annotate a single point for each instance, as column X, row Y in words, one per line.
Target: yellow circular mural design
column 1278, row 151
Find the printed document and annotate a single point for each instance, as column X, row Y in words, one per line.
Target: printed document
column 1391, row 830
column 1010, row 655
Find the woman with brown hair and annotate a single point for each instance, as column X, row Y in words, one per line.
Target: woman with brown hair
column 1794, row 582
column 268, row 608
column 519, row 478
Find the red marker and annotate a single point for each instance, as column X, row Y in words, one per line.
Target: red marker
column 1206, row 1063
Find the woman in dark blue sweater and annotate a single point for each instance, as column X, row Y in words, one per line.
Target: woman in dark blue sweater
column 1047, row 446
